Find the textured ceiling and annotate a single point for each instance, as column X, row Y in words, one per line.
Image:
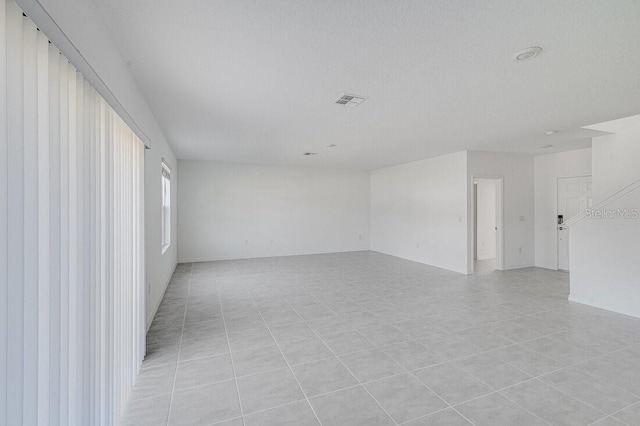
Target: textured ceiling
column 255, row 81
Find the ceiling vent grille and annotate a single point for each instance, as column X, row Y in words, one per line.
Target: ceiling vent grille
column 350, row 100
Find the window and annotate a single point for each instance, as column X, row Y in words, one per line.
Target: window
column 166, row 206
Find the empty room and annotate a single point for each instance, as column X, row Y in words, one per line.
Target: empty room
column 329, row 213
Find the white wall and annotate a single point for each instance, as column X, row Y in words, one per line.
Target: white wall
column 548, row 169
column 91, row 43
column 80, row 22
column 419, row 211
column 231, row 211
column 486, row 219
column 518, row 204
column 159, row 266
column 616, row 161
column 605, row 271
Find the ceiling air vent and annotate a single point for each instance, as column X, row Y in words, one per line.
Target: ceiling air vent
column 350, row 100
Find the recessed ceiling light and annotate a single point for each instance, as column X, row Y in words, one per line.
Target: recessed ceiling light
column 528, row 53
column 310, row 153
column 331, row 145
column 350, row 100
column 551, row 132
column 546, row 146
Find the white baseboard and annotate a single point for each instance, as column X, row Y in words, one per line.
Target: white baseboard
column 631, row 313
column 464, row 272
column 512, row 267
column 218, row 259
column 551, row 268
column 155, row 309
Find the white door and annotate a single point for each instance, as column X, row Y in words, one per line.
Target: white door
column 574, row 196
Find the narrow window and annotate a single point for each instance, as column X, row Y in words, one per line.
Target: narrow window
column 166, row 206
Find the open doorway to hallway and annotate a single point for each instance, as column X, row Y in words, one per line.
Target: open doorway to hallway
column 487, row 229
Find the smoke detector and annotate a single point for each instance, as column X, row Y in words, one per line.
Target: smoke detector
column 528, row 53
column 350, row 100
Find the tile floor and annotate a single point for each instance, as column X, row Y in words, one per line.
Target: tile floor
column 368, row 339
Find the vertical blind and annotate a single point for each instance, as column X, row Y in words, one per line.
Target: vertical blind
column 71, row 239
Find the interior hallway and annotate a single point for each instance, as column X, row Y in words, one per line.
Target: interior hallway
column 367, row 339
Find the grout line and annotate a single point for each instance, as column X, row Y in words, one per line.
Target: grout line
column 233, row 366
column 287, row 362
column 225, row 421
column 436, row 394
column 308, row 362
column 201, row 358
column 347, row 368
column 313, row 290
column 524, row 408
column 472, row 355
column 538, row 378
column 573, row 397
column 435, row 412
column 175, row 374
column 204, row 385
column 616, row 412
column 276, row 406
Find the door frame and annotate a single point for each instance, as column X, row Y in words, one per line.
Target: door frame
column 475, row 221
column 500, row 233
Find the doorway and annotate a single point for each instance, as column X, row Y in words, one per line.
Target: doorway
column 487, row 224
column 574, row 197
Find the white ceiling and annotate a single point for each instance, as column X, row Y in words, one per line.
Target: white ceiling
column 254, row 81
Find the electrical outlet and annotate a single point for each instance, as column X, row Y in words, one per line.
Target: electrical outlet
column 520, row 250
column 246, row 241
column 521, row 218
column 417, row 245
column 359, row 237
